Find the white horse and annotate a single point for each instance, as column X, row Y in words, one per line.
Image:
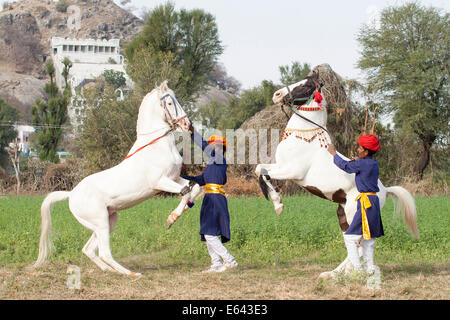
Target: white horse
column 152, row 165
column 302, row 156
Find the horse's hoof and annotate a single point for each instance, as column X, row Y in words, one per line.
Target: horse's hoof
column 135, row 274
column 326, row 275
column 279, row 209
column 171, row 219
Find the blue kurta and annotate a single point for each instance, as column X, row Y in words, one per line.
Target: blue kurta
column 366, row 178
column 214, row 216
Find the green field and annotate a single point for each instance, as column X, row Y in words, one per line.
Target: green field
column 307, row 232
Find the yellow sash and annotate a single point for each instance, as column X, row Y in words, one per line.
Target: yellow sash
column 363, row 197
column 214, row 188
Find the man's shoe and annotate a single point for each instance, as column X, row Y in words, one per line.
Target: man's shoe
column 219, row 268
column 231, row 264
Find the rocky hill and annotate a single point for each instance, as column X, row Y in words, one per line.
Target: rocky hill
column 26, row 28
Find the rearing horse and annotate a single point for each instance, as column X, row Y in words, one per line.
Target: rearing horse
column 302, row 156
column 152, row 165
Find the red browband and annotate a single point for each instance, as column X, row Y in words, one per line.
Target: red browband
column 310, row 108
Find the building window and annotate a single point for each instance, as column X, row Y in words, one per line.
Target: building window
column 107, row 49
column 70, row 48
column 90, row 48
column 83, row 48
column 64, row 47
column 55, row 50
column 101, row 49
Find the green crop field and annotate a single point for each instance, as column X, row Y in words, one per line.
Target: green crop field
column 306, row 234
column 306, row 231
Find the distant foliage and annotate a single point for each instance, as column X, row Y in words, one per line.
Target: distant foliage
column 294, row 73
column 115, row 78
column 8, row 115
column 109, row 127
column 181, row 46
column 62, row 6
column 238, row 109
column 407, row 62
column 51, row 115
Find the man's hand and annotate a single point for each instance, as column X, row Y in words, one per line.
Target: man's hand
column 331, row 149
column 191, row 128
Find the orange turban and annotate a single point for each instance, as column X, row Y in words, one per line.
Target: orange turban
column 218, row 140
column 370, row 142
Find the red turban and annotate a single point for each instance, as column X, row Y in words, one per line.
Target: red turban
column 370, row 142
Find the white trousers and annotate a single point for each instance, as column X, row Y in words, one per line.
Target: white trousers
column 351, row 242
column 217, row 251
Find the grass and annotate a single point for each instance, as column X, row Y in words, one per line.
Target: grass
column 280, row 251
column 307, row 231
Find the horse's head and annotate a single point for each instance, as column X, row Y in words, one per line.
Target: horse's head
column 298, row 93
column 174, row 113
column 159, row 108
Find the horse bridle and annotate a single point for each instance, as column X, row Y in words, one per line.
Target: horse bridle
column 173, row 122
column 291, row 102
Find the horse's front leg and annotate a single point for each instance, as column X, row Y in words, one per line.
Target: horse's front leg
column 265, row 173
column 168, row 185
column 196, row 191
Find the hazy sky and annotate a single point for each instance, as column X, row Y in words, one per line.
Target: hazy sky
column 261, row 35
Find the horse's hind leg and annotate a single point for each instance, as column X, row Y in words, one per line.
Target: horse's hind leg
column 90, row 249
column 101, row 223
column 104, row 251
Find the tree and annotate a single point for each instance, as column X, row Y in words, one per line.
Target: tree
column 150, row 68
column 108, row 129
column 67, row 65
column 186, row 43
column 212, row 112
column 115, row 78
column 61, row 6
column 294, row 73
column 239, row 109
column 50, row 116
column 407, row 62
column 8, row 116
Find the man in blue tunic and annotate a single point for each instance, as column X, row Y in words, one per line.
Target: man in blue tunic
column 366, row 224
column 214, row 216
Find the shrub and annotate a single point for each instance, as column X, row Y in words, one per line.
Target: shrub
column 62, row 6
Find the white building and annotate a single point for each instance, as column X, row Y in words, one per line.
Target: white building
column 89, row 57
column 23, row 134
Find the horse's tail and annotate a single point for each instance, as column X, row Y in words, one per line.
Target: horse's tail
column 46, row 225
column 406, row 206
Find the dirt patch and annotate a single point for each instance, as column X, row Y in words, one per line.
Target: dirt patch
column 174, row 282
